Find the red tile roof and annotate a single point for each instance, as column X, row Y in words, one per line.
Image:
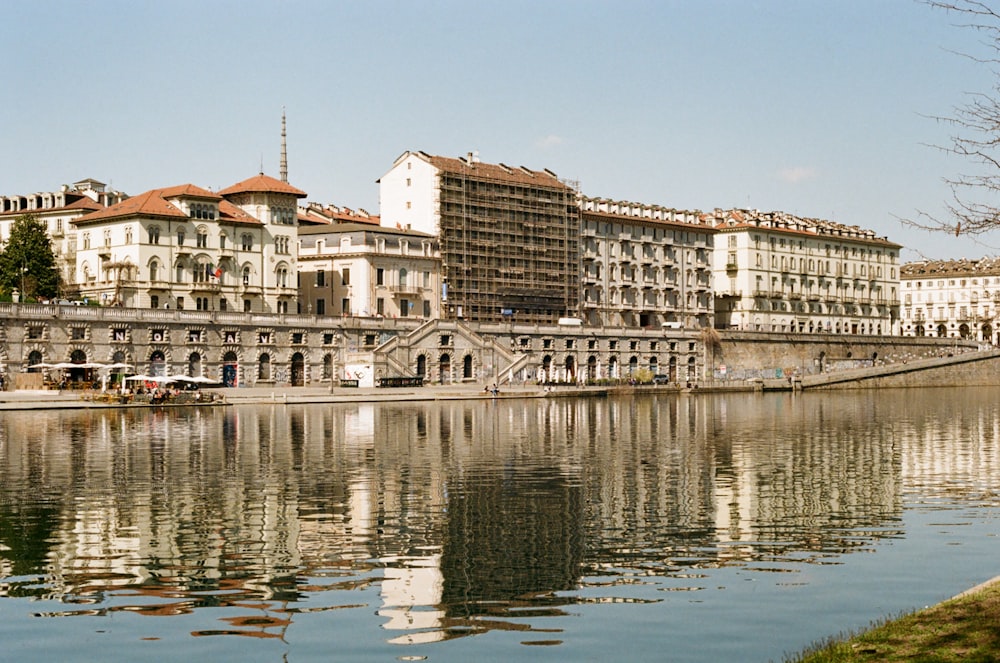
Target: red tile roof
column 156, row 203
column 501, row 172
column 263, row 184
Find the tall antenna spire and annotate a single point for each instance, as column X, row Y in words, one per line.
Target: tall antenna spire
column 284, row 149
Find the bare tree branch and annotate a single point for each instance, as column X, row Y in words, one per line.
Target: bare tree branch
column 974, row 207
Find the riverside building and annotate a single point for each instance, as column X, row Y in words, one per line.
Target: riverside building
column 776, row 272
column 57, row 210
column 509, row 236
column 357, row 269
column 952, row 299
column 644, row 265
column 185, row 247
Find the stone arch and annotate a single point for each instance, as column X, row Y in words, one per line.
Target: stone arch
column 444, row 368
column 264, row 367
column 194, row 364
column 421, row 366
column 570, row 365
column 298, row 370
column 467, row 363
column 592, row 368
column 230, row 368
column 157, row 362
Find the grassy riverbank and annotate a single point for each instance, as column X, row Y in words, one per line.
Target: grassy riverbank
column 965, row 628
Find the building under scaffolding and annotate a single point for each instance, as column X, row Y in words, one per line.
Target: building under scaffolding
column 509, row 235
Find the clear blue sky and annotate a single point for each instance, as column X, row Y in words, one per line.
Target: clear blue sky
column 813, row 107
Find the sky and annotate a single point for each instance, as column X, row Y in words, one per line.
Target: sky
column 817, row 108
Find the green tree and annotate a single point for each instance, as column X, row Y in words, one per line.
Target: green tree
column 27, row 263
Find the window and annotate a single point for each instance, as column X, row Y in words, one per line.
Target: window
column 320, row 307
column 246, row 276
column 320, row 278
column 154, row 271
column 78, row 333
column 194, row 336
column 404, row 307
column 154, row 301
column 246, row 242
column 201, row 239
column 222, row 241
column 246, row 306
column 427, row 308
column 379, row 276
column 345, row 276
column 86, row 240
column 380, row 306
column 345, row 306
column 154, row 235
column 282, row 274
column 180, row 303
column 223, row 306
column 180, row 237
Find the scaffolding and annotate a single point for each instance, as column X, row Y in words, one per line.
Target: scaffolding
column 509, row 242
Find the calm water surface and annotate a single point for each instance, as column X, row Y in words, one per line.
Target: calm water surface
column 668, row 528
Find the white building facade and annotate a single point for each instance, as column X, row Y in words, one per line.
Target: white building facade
column 644, row 266
column 188, row 247
column 952, row 299
column 352, row 269
column 57, row 210
column 775, row 272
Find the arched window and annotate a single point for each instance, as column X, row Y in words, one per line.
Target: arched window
column 154, row 271
column 402, row 277
column 264, row 367
column 246, row 276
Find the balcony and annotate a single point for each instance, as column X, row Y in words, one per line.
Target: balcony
column 250, row 289
column 401, row 290
column 206, row 286
column 795, row 295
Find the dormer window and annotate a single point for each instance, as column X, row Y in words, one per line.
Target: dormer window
column 202, row 211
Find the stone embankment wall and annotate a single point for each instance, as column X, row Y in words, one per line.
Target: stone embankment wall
column 740, row 353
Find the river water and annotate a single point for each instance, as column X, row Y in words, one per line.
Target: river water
column 738, row 527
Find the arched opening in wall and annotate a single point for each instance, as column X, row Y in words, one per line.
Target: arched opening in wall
column 327, row 367
column 987, row 331
column 546, row 375
column 34, row 358
column 633, row 366
column 654, row 365
column 194, row 365
column 445, row 369
column 79, row 373
column 466, row 367
column 672, row 369
column 570, row 369
column 963, row 331
column 942, row 331
column 821, row 362
column 264, row 368
column 592, row 368
column 421, row 366
column 874, row 358
column 613, row 368
column 298, row 370
column 157, row 363
column 919, row 331
column 230, row 369
column 692, row 373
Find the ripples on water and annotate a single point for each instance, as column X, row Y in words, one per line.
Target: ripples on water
column 685, row 528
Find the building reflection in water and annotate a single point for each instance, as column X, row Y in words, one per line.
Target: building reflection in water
column 459, row 517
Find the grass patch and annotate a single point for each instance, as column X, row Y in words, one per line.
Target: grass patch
column 964, row 629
